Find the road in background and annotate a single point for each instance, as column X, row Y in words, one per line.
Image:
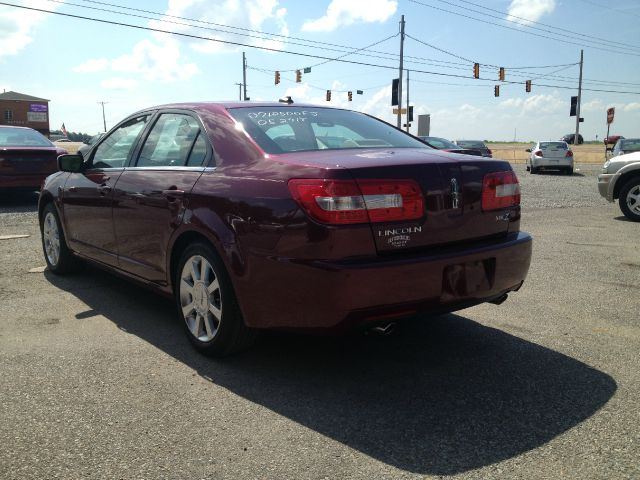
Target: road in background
column 97, row 379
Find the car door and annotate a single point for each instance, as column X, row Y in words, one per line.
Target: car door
column 87, row 196
column 150, row 196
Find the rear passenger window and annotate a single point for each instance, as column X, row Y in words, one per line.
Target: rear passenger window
column 199, row 152
column 169, row 142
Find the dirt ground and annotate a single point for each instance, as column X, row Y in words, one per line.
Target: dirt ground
column 516, row 152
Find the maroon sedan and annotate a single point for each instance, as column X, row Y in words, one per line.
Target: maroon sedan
column 267, row 215
column 26, row 158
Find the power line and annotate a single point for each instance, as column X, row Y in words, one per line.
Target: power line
column 610, row 8
column 301, row 54
column 522, row 31
column 529, row 21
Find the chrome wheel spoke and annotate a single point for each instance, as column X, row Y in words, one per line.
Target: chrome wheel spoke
column 215, row 311
column 213, row 286
column 51, row 238
column 208, row 327
column 188, row 309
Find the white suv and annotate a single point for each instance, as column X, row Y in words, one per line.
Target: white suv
column 620, row 179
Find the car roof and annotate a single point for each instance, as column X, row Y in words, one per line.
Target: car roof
column 224, row 105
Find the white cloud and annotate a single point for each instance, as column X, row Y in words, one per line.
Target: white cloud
column 212, row 18
column 17, row 25
column 511, row 103
column 92, row 66
column 630, row 107
column 544, row 104
column 119, row 84
column 346, row 12
column 155, row 62
column 532, row 10
column 595, row 105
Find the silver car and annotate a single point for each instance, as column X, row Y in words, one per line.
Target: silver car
column 620, row 179
column 550, row 155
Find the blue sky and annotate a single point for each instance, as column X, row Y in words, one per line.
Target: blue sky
column 77, row 63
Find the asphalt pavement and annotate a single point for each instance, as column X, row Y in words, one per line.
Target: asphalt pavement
column 97, row 379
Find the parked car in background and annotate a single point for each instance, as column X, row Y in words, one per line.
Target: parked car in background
column 267, row 215
column 62, row 140
column 620, row 180
column 448, row 146
column 550, row 156
column 570, row 139
column 626, row 145
column 612, row 139
column 86, row 146
column 26, row 157
column 475, row 145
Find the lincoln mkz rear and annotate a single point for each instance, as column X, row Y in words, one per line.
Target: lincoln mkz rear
column 256, row 216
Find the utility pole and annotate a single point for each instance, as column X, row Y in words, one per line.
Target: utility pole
column 239, row 91
column 408, row 101
column 575, row 139
column 400, row 73
column 244, row 76
column 104, row 121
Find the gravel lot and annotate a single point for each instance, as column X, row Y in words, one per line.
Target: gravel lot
column 98, row 381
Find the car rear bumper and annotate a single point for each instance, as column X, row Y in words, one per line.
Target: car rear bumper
column 22, row 181
column 321, row 294
column 552, row 163
column 605, row 185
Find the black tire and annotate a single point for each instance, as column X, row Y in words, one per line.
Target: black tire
column 199, row 270
column 569, row 171
column 59, row 258
column 534, row 170
column 632, row 187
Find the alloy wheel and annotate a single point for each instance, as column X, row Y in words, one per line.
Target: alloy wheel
column 633, row 199
column 200, row 298
column 51, row 236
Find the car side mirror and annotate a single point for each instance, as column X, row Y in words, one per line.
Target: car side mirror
column 528, row 150
column 70, row 163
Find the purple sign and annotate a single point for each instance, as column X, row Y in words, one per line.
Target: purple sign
column 38, row 107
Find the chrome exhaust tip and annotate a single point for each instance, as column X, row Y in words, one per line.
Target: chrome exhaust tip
column 385, row 329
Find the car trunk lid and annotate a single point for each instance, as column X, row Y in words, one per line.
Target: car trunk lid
column 28, row 160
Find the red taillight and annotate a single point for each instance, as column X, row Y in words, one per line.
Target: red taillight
column 362, row 201
column 569, row 154
column 538, row 153
column 490, row 152
column 500, row 190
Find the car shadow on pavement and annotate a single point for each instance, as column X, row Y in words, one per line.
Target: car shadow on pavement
column 18, row 201
column 442, row 395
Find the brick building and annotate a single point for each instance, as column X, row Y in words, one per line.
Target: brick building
column 24, row 111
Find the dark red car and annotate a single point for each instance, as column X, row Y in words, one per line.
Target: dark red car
column 26, row 158
column 267, row 215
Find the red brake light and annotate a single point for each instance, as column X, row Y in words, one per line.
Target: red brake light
column 569, row 154
column 500, row 190
column 538, row 153
column 358, row 201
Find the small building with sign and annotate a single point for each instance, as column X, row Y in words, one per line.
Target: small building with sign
column 23, row 110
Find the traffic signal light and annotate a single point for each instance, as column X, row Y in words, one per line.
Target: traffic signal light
column 328, row 95
column 501, row 74
column 476, row 70
column 298, row 76
column 350, row 95
column 528, row 86
column 496, row 91
column 277, row 77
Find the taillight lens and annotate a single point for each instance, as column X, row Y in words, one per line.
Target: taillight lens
column 538, row 153
column 500, row 190
column 343, row 202
column 569, row 154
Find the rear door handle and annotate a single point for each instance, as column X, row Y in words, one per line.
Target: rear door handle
column 173, row 193
column 104, row 189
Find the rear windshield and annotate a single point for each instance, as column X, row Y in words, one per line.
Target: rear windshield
column 294, row 129
column 553, row 146
column 22, row 137
column 471, row 144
